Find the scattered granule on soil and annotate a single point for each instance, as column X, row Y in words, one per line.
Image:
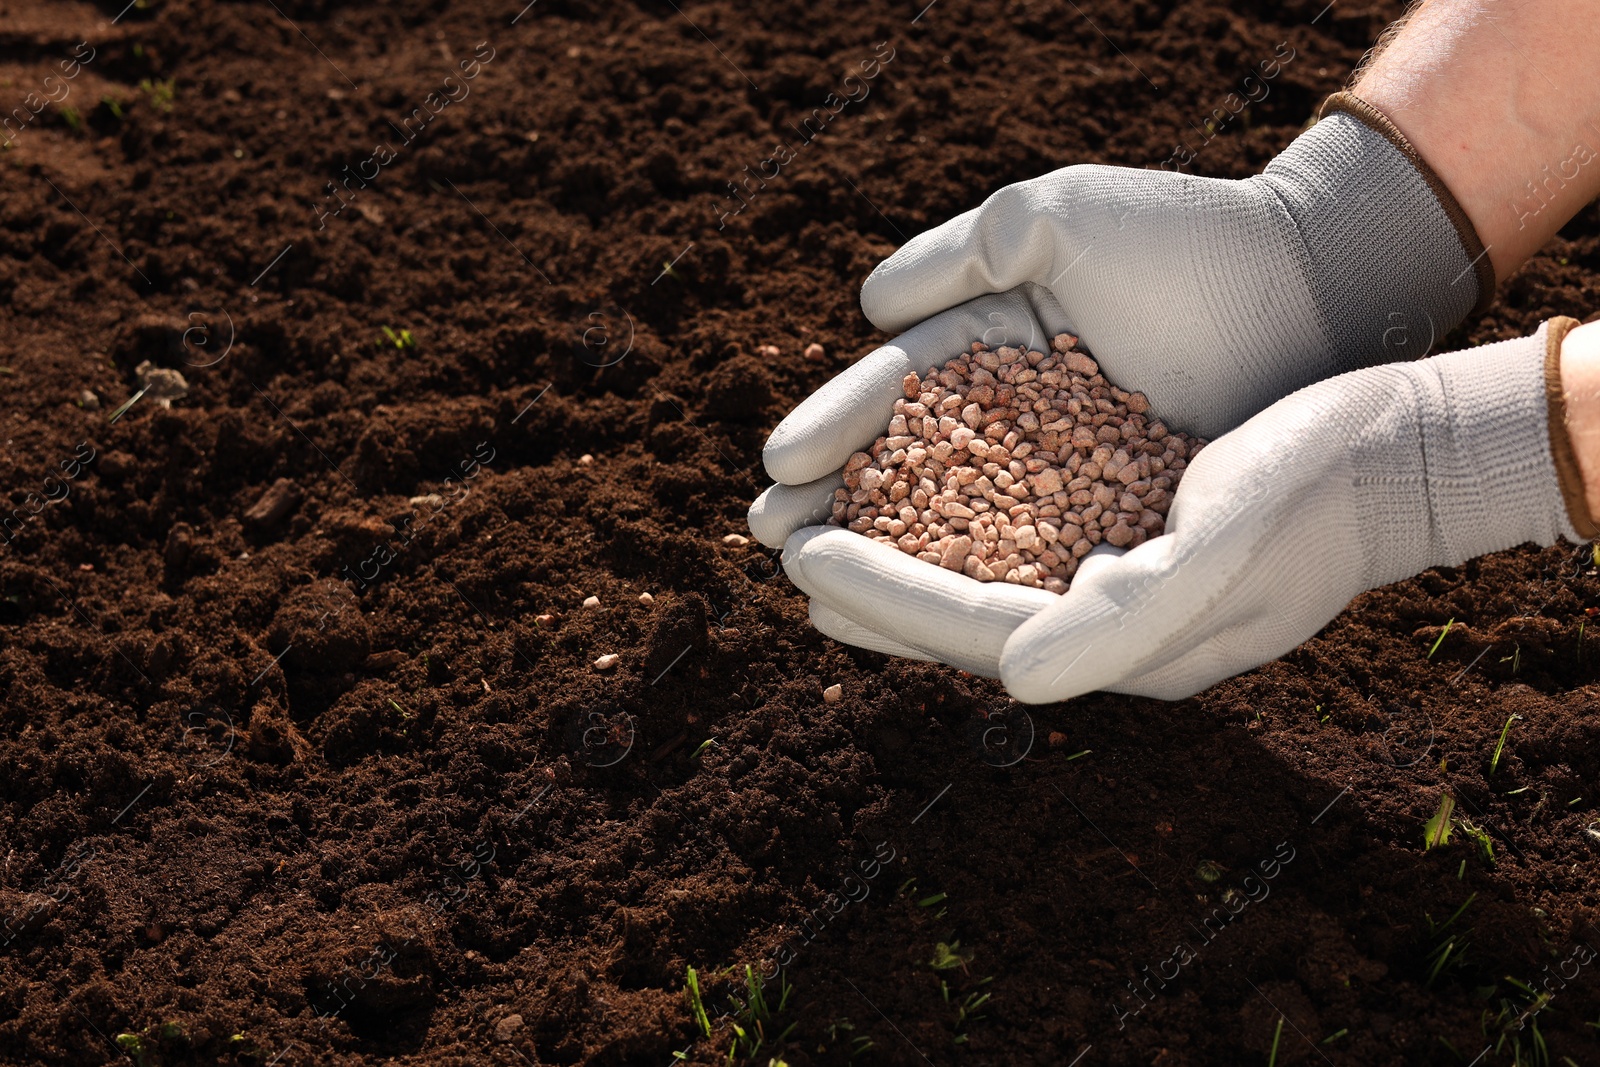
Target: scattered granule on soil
column 1010, row 465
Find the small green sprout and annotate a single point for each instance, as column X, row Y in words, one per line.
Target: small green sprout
column 122, row 409
column 1481, row 838
column 753, row 1017
column 1436, row 831
column 1277, row 1035
column 134, row 1046
column 1208, row 871
column 73, row 117
column 397, row 706
column 859, row 1044
column 1447, row 952
column 1515, row 659
column 928, row 902
column 112, row 106
column 709, row 742
column 948, row 956
column 1494, row 761
column 697, row 1004
column 161, row 93
column 1075, row 755
column 401, row 340
column 1514, row 1019
column 1442, row 635
column 967, row 1010
column 1336, row 1035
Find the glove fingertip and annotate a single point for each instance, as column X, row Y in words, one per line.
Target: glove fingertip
column 791, row 457
column 1031, row 678
column 883, row 299
column 782, row 509
column 762, row 521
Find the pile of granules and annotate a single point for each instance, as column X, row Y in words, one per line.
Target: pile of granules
column 1010, row 465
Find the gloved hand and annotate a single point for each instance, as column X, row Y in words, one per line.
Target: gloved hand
column 1214, row 298
column 1355, row 482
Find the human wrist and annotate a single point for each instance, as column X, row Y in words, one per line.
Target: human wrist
column 1575, row 419
column 1501, row 101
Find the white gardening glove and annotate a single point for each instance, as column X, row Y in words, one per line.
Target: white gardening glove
column 1355, row 482
column 1212, row 297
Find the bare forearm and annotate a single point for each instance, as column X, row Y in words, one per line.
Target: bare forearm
column 1502, row 98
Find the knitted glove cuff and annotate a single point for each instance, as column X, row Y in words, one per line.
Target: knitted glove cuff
column 1573, row 491
column 1489, row 448
column 1477, row 254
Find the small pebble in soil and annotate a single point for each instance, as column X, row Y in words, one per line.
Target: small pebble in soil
column 274, row 505
column 506, row 1029
column 833, row 694
column 544, row 622
column 88, row 401
column 591, row 602
column 646, row 599
column 769, row 352
column 815, row 351
column 736, row 540
column 607, row 661
column 585, row 460
column 1010, row 465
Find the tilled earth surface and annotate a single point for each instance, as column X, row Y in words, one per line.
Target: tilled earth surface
column 292, row 773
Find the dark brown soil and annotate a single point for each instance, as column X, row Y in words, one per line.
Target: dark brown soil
column 290, row 779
